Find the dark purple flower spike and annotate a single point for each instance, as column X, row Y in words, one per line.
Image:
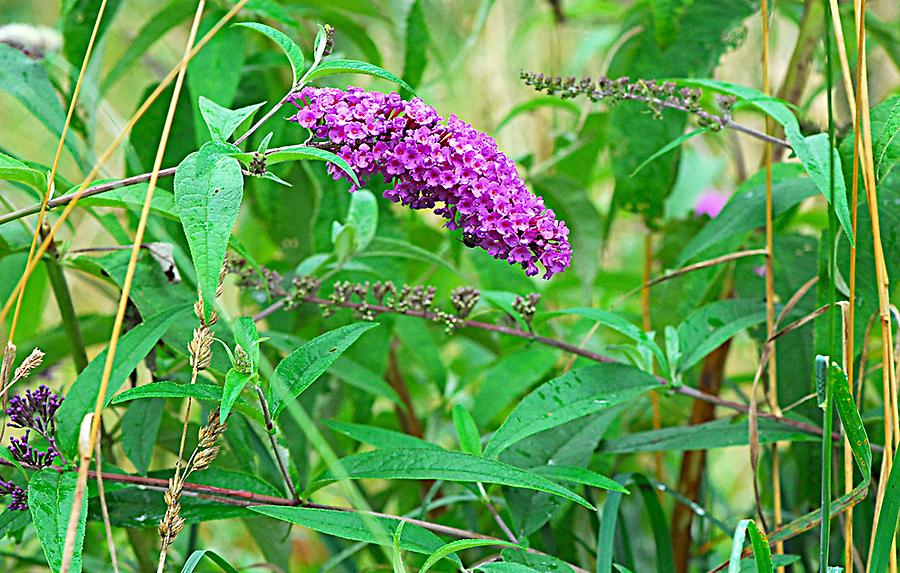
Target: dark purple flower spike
column 448, row 167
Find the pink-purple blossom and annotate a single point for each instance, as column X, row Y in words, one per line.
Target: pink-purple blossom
column 711, row 202
column 446, row 166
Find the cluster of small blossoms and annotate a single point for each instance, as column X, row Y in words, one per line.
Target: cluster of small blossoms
column 34, row 411
column 18, row 497
column 448, row 167
column 657, row 95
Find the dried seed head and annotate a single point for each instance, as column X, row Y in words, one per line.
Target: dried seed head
column 33, row 361
column 205, row 458
column 9, row 356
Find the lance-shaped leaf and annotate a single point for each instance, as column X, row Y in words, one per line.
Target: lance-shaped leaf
column 333, row 67
column 427, row 464
column 574, row 395
column 209, row 187
column 222, row 121
column 291, row 50
column 50, row 497
column 302, row 367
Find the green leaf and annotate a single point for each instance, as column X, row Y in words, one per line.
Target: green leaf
column 194, row 560
column 334, row 67
column 301, row 368
column 380, row 438
column 887, row 521
column 26, row 80
column 426, row 464
column 761, row 552
column 578, row 475
column 887, row 148
column 51, row 494
column 356, row 527
column 812, row 151
column 291, row 50
column 209, row 188
column 78, row 24
column 235, row 381
column 708, row 327
column 575, row 394
column 82, row 396
column 172, row 14
column 14, row 170
column 745, row 210
column 132, row 197
column 674, row 144
column 168, row 389
column 504, row 301
column 466, row 431
column 504, row 567
column 363, row 215
column 538, row 562
column 385, row 247
column 415, row 57
column 667, row 19
column 461, row 545
column 623, row 327
column 510, row 377
column 222, row 121
column 247, row 337
column 299, row 153
column 722, row 433
column 140, row 428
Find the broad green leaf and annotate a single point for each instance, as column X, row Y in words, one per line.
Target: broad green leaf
column 334, row 67
column 14, row 170
column 536, row 561
column 578, row 475
column 51, row 494
column 622, row 326
column 168, row 389
column 380, row 438
column 466, row 431
column 667, row 16
column 354, row 526
column 510, row 377
column 537, row 103
column 13, row 521
column 26, row 80
column 172, row 14
column 636, row 133
column 301, row 368
column 299, row 153
column 209, row 187
column 426, row 464
column 813, row 151
column 745, row 210
column 140, row 428
column 722, row 433
column 132, row 197
column 235, row 381
column 415, row 57
column 6, row 454
column 461, row 545
column 761, row 552
column 575, row 394
column 222, row 121
column 291, row 50
column 82, row 396
column 194, row 560
column 708, row 327
column 363, row 215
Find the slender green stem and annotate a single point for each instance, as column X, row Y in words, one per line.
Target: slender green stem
column 60, row 287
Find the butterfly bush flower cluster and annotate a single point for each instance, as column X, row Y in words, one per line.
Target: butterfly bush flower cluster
column 35, row 411
column 446, row 166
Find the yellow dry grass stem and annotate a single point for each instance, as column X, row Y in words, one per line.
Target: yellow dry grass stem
column 179, row 72
column 770, row 282
column 647, row 324
column 863, row 152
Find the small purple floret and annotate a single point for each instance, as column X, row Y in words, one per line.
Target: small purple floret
column 18, row 497
column 448, row 167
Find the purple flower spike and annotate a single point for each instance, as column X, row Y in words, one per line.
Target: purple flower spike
column 36, row 410
column 448, row 167
column 18, row 497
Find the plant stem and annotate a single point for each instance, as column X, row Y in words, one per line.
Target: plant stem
column 825, row 527
column 63, row 296
column 270, row 430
